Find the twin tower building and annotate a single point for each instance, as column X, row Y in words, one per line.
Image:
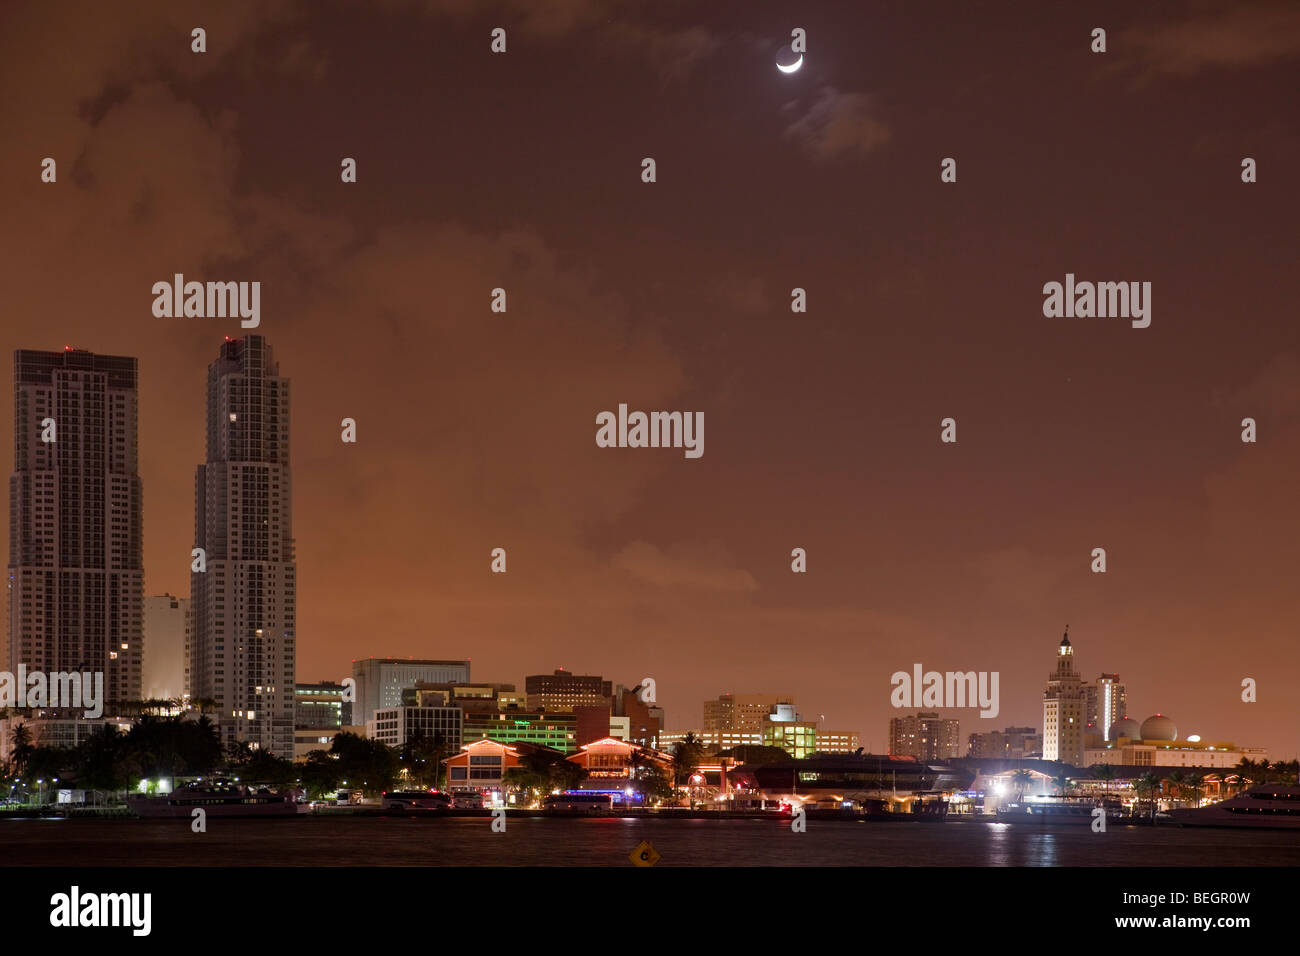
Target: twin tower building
column 76, row 572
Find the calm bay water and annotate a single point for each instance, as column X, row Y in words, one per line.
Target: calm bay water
column 387, row 841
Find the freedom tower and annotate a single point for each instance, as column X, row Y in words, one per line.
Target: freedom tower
column 242, row 585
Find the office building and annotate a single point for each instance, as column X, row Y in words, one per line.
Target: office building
column 780, row 726
column 321, row 706
column 381, row 680
column 557, row 731
column 562, row 691
column 395, row 726
column 742, row 713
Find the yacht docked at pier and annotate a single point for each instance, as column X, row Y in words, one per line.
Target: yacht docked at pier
column 1265, row 806
column 218, row 798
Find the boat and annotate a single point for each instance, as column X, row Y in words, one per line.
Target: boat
column 416, row 800
column 1053, row 811
column 1273, row 806
column 579, row 801
column 217, row 798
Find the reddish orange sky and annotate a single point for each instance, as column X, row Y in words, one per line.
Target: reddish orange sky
column 476, row 430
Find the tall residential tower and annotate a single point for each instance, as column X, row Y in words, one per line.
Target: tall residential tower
column 76, row 574
column 1106, row 703
column 243, row 604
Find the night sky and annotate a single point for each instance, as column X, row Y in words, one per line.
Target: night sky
column 523, row 171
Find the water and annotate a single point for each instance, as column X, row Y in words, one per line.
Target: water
column 469, row 841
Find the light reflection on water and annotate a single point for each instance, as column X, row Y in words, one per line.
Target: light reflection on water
column 324, row 841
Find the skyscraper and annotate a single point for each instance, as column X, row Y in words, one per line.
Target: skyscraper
column 76, row 574
column 1105, row 703
column 1063, row 705
column 243, row 602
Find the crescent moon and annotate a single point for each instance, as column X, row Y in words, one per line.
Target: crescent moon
column 792, row 67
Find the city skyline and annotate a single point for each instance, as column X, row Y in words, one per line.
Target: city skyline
column 475, row 428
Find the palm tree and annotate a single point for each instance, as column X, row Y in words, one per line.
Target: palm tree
column 21, row 750
column 1062, row 781
column 636, row 763
column 1150, row 783
column 1177, row 782
column 1021, row 779
column 1247, row 772
column 686, row 757
column 1105, row 773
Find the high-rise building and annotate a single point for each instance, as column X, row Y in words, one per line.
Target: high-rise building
column 244, row 600
column 381, row 680
column 1063, row 709
column 925, row 736
column 76, row 574
column 166, row 647
column 1105, row 703
column 562, row 691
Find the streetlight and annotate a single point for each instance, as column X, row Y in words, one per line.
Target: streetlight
column 696, row 781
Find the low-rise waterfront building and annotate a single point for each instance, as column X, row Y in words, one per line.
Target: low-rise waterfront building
column 481, row 766
column 848, row 779
column 1217, row 756
column 43, row 731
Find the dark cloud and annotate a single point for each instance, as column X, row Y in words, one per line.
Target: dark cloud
column 837, row 125
column 1233, row 35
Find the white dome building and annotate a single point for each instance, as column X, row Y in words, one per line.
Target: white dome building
column 1158, row 727
column 1124, row 727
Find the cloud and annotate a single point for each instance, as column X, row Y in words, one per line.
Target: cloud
column 673, row 52
column 554, row 18
column 1275, row 391
column 742, row 293
column 838, row 125
column 702, row 566
column 1238, row 35
column 151, row 183
column 1252, row 498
